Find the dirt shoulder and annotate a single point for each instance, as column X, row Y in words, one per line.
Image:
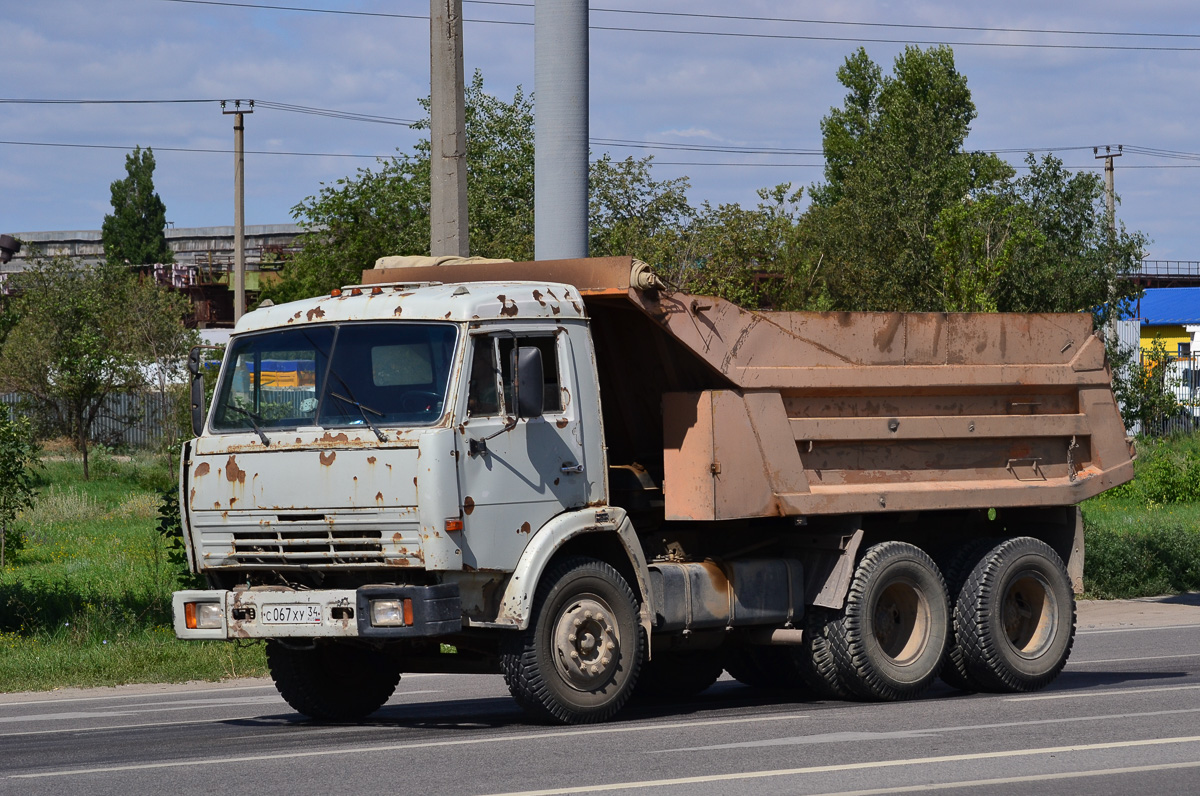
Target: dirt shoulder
column 1176, row 609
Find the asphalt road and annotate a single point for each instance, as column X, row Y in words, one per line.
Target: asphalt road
column 1123, row 718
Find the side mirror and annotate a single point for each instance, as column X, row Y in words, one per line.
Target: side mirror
column 528, row 382
column 197, row 391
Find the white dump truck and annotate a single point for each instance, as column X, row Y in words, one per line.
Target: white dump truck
column 568, row 473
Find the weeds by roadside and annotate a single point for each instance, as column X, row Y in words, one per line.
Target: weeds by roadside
column 88, row 599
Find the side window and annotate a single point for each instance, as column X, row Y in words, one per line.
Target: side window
column 547, row 344
column 483, row 395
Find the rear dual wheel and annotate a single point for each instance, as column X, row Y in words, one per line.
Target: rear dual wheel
column 891, row 638
column 1014, row 618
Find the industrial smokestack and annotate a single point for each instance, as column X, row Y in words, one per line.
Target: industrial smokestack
column 560, row 79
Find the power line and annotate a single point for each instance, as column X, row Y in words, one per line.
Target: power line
column 730, row 34
column 902, row 25
column 201, row 150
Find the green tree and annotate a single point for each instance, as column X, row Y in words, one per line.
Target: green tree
column 894, row 160
column 135, row 232
column 18, row 456
column 632, row 213
column 73, row 346
column 385, row 211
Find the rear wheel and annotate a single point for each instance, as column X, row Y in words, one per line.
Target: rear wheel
column 332, row 682
column 814, row 657
column 767, row 668
column 956, row 568
column 1016, row 617
column 892, row 635
column 578, row 661
column 678, row 675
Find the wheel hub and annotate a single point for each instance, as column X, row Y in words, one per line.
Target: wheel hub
column 1029, row 614
column 901, row 621
column 586, row 643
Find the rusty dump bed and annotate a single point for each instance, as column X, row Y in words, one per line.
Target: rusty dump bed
column 751, row 414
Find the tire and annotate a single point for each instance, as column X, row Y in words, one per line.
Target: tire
column 766, row 668
column 677, row 675
column 578, row 661
column 814, row 658
column 332, row 682
column 1016, row 617
column 956, row 569
column 890, row 641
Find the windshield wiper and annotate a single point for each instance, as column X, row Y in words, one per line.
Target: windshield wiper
column 254, row 421
column 362, row 410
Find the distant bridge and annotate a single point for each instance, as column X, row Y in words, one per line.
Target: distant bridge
column 1168, row 273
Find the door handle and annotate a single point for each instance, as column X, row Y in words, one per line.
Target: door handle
column 570, row 468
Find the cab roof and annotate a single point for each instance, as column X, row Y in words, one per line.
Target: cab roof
column 424, row 301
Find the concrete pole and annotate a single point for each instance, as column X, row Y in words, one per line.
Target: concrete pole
column 1110, row 194
column 560, row 79
column 447, row 132
column 239, row 218
column 239, row 204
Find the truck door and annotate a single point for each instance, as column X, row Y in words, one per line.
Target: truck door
column 519, row 478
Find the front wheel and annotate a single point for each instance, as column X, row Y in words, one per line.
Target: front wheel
column 332, row 682
column 578, row 661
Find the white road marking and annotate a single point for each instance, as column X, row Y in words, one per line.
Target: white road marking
column 838, row 737
column 108, row 714
column 144, row 695
column 975, row 783
column 1109, row 692
column 163, row 707
column 1134, row 629
column 866, row 765
column 4, row 704
column 109, row 727
column 1131, row 660
column 221, row 761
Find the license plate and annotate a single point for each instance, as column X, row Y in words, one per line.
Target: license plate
column 291, row 614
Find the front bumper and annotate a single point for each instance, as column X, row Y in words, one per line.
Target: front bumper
column 338, row 613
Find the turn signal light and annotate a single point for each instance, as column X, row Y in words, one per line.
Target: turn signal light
column 454, row 525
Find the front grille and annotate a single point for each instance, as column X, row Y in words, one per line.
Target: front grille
column 311, row 547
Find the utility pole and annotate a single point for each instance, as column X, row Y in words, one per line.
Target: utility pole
column 447, row 132
column 1110, row 196
column 560, row 170
column 239, row 205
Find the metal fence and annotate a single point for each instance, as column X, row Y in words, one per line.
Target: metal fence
column 135, row 420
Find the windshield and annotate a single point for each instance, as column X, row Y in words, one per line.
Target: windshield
column 362, row 374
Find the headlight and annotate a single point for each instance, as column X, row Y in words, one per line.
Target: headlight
column 203, row 616
column 391, row 613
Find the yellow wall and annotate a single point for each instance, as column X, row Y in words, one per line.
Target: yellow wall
column 1171, row 337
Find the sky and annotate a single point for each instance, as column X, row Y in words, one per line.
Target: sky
column 718, row 78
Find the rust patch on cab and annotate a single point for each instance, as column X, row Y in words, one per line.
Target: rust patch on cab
column 468, row 505
column 525, row 528
column 537, row 296
column 339, row 437
column 561, row 422
column 202, row 469
column 398, row 312
column 327, row 457
column 315, row 312
column 378, row 497
column 371, row 460
column 234, row 473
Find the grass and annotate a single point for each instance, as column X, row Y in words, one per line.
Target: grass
column 87, row 600
column 1143, row 539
